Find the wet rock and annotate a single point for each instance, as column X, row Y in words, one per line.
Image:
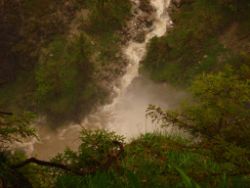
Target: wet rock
column 140, row 37
column 177, row 3
column 149, row 23
column 145, row 6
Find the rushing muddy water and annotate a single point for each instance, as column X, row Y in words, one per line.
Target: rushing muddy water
column 126, row 114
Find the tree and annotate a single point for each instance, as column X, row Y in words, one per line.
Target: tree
column 14, row 127
column 219, row 115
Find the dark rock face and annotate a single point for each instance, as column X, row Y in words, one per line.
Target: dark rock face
column 143, row 14
column 140, row 37
column 179, row 3
column 145, row 6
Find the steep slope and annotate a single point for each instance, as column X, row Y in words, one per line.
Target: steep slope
column 207, row 36
column 58, row 57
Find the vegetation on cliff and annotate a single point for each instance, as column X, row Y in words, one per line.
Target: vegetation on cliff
column 207, row 51
column 206, row 37
column 56, row 55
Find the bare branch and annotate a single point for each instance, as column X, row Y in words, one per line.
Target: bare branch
column 6, row 113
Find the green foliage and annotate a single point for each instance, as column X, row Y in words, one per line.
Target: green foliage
column 108, row 15
column 69, row 62
column 218, row 72
column 94, row 149
column 188, row 183
column 97, row 143
column 222, row 107
column 63, row 77
column 69, row 182
column 194, row 45
column 152, row 160
column 219, row 115
column 193, row 52
column 15, row 128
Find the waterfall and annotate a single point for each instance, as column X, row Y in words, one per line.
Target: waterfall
column 126, row 114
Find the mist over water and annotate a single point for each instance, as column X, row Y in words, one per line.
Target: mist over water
column 136, row 92
column 129, row 115
column 126, row 114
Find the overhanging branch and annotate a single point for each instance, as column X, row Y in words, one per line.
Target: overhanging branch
column 80, row 172
column 6, row 113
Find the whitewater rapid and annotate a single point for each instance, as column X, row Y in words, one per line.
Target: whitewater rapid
column 136, row 93
column 126, row 114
